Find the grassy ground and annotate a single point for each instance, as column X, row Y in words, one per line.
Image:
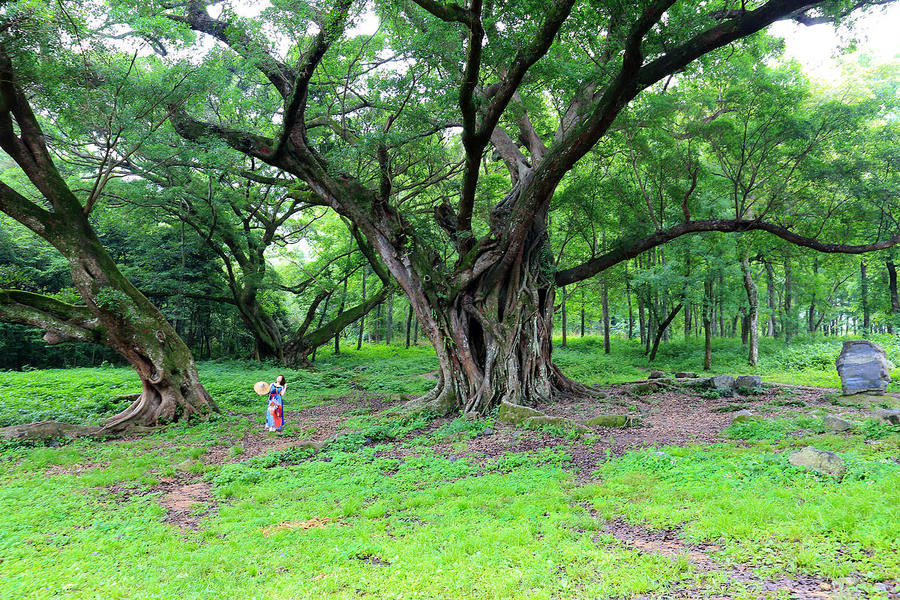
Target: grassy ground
column 417, row 507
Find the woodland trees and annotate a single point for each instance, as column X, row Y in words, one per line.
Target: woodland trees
column 483, row 156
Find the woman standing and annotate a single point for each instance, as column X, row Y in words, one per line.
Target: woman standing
column 275, row 412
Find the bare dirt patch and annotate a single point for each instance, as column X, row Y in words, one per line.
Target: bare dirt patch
column 668, row 542
column 185, row 503
column 316, row 424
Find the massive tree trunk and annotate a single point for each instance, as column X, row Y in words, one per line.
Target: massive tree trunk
column 116, row 313
column 489, row 316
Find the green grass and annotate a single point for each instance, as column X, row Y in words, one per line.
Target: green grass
column 88, row 395
column 806, row 361
column 409, row 517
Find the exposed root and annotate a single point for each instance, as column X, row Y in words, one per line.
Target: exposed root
column 440, row 400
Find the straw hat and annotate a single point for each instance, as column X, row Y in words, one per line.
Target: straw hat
column 261, row 387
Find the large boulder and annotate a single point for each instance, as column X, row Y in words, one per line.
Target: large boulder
column 821, row 461
column 863, row 367
column 657, row 374
column 685, row 375
column 613, row 421
column 514, row 414
column 747, row 381
column 720, row 382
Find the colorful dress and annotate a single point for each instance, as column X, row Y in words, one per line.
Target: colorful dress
column 275, row 412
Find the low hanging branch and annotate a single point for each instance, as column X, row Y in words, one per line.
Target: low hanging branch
column 62, row 322
column 631, row 250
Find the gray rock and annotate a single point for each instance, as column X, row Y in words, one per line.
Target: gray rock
column 720, row 382
column 744, row 416
column 187, row 465
column 513, row 414
column 863, row 367
column 835, row 423
column 488, row 431
column 645, row 388
column 747, row 381
column 828, row 463
column 891, row 417
column 613, row 421
column 685, row 375
column 657, row 374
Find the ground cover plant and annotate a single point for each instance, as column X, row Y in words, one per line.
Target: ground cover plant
column 359, row 499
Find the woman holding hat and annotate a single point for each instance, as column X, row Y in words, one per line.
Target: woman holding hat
column 275, row 411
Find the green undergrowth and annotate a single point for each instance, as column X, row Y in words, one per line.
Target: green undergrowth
column 87, row 395
column 763, row 511
column 805, row 361
column 383, row 512
column 427, row 526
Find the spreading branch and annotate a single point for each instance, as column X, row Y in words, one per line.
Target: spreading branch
column 633, row 248
column 61, row 322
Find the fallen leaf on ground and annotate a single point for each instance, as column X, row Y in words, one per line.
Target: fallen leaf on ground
column 288, row 525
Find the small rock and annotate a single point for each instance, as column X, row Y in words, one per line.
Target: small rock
column 835, row 423
column 891, row 417
column 613, row 421
column 186, row 465
column 643, row 389
column 360, row 368
column 821, row 461
column 513, row 414
column 747, row 381
column 685, row 375
column 488, row 431
column 657, row 374
column 744, row 416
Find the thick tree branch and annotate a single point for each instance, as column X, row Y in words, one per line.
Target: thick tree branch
column 62, row 322
column 632, row 249
column 280, row 75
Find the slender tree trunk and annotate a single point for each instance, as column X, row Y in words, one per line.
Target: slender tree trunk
column 321, row 321
column 565, row 325
column 362, row 319
column 662, row 328
column 770, row 299
column 390, row 319
column 337, row 336
column 788, row 325
column 630, row 311
column 707, row 324
column 642, row 319
column 582, row 312
column 409, row 318
column 604, row 307
column 892, row 288
column 864, row 293
column 752, row 313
